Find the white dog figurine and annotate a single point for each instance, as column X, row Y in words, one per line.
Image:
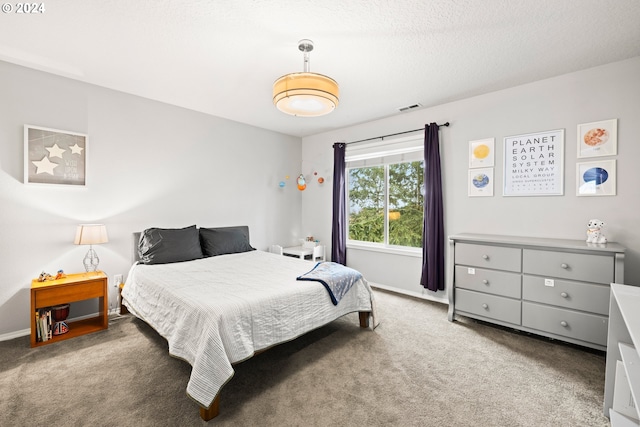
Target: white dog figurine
column 594, row 232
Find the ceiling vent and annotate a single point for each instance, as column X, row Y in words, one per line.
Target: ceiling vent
column 409, row 107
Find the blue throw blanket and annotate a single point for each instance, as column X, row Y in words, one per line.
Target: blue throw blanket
column 336, row 278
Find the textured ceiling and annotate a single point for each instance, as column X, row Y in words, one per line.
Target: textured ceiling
column 221, row 57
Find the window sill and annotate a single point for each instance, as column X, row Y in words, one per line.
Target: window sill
column 395, row 250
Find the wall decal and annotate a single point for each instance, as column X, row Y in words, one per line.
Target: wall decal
column 54, row 156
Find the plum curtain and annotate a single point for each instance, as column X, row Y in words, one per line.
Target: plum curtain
column 339, row 220
column 433, row 247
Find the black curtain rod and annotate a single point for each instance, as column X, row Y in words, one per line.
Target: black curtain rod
column 393, row 134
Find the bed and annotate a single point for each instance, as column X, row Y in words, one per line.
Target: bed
column 218, row 301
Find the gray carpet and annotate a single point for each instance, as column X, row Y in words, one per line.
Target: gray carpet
column 415, row 369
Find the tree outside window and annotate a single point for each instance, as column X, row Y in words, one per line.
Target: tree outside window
column 386, row 204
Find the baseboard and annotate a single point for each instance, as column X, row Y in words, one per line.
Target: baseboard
column 25, row 332
column 16, row 334
column 443, row 300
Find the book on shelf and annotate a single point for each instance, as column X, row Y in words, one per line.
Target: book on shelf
column 44, row 330
column 38, row 332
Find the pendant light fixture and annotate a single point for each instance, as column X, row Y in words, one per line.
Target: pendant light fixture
column 305, row 94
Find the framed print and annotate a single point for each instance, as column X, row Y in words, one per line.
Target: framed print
column 481, row 153
column 596, row 178
column 598, row 139
column 534, row 163
column 54, row 156
column 480, row 182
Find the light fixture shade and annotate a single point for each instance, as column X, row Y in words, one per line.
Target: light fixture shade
column 91, row 234
column 306, row 94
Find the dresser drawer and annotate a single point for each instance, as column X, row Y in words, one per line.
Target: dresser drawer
column 487, row 256
column 591, row 328
column 564, row 293
column 489, row 281
column 590, row 268
column 491, row 306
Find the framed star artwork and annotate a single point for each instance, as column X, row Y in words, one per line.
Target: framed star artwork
column 54, row 156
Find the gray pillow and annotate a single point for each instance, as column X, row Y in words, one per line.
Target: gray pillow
column 167, row 245
column 226, row 240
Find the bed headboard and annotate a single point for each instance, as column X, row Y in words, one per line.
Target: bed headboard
column 135, row 257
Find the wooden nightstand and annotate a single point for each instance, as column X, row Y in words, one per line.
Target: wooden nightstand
column 74, row 287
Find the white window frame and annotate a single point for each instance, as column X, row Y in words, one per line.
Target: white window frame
column 383, row 153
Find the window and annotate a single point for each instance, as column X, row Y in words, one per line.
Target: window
column 385, row 195
column 367, row 204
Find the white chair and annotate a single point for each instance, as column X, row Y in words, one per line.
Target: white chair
column 318, row 253
column 275, row 249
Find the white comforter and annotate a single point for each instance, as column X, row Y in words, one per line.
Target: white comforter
column 220, row 310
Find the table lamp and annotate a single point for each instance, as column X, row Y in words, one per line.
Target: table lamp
column 91, row 234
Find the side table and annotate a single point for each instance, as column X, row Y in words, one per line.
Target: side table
column 72, row 288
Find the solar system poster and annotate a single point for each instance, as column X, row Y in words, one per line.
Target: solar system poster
column 533, row 164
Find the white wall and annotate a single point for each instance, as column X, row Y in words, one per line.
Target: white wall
column 606, row 92
column 149, row 164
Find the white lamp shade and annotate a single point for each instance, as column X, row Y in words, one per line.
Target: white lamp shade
column 91, row 234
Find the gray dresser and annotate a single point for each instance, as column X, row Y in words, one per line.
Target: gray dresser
column 552, row 287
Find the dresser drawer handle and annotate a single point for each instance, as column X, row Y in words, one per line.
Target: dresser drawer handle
column 565, row 266
column 485, row 257
column 564, row 295
column 485, row 306
column 485, row 281
column 563, row 323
